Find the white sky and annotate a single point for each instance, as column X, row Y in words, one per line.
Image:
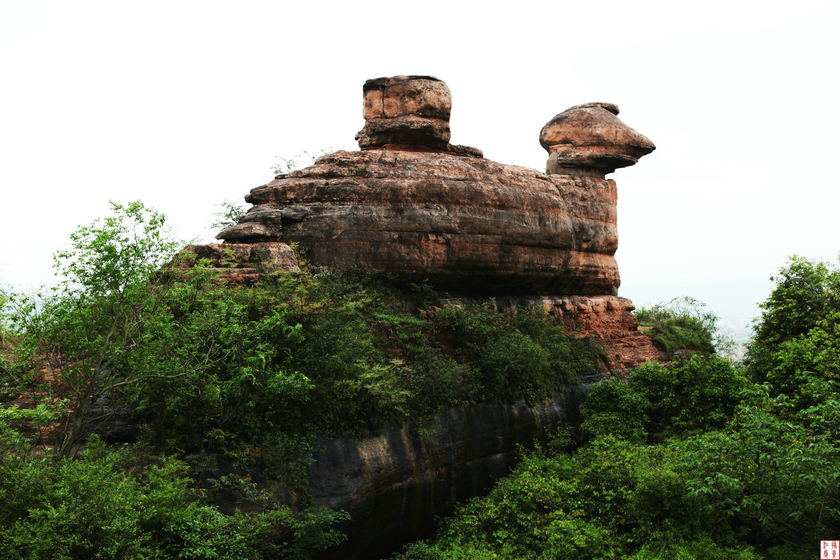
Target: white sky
column 184, row 103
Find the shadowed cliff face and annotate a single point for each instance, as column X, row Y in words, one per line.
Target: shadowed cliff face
column 394, row 485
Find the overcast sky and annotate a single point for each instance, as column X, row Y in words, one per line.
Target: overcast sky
column 183, row 104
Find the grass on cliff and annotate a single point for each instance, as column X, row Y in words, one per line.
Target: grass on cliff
column 681, row 324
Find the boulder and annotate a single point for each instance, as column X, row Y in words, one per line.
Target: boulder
column 590, row 137
column 408, row 111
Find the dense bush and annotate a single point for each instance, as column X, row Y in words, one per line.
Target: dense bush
column 660, row 401
column 758, row 488
column 682, row 324
column 359, row 349
column 127, row 503
column 216, row 372
column 794, row 347
column 696, row 459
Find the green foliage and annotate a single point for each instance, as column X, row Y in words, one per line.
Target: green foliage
column 682, row 324
column 773, row 481
column 355, row 346
column 616, row 408
column 795, row 341
column 78, row 340
column 759, row 486
column 516, row 354
column 806, row 292
column 688, row 460
column 568, row 507
column 218, row 373
column 126, row 503
column 662, row 401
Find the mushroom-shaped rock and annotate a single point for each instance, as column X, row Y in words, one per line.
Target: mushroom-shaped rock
column 406, row 112
column 590, row 137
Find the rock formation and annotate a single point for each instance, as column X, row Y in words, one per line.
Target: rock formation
column 589, row 139
column 412, row 204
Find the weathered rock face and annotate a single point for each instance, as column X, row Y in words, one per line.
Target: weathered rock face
column 591, row 137
column 243, row 263
column 411, row 204
column 463, row 221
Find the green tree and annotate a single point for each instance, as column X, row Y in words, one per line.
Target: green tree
column 227, row 215
column 79, row 338
column 795, row 340
column 662, row 401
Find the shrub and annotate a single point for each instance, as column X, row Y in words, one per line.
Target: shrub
column 126, row 503
column 662, row 401
column 681, row 324
column 517, row 354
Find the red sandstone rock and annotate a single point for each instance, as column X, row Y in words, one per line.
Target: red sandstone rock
column 467, row 222
column 411, row 204
column 590, row 136
column 410, row 111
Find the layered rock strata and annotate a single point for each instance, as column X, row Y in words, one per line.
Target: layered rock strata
column 411, row 204
column 591, row 138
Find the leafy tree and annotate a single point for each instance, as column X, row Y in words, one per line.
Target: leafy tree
column 662, row 401
column 80, row 337
column 227, row 215
column 795, row 340
column 806, row 292
column 128, row 503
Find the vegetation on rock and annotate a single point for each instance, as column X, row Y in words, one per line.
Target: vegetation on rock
column 215, row 372
column 682, row 324
column 702, row 459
